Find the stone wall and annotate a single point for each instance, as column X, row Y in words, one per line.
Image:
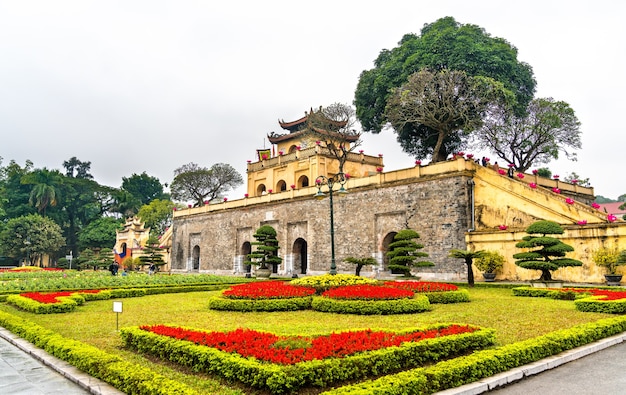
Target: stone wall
column 365, row 220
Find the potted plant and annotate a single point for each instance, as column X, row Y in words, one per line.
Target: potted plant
column 489, row 262
column 266, row 251
column 610, row 258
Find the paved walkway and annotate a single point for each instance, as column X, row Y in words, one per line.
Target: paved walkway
column 28, row 370
column 597, row 368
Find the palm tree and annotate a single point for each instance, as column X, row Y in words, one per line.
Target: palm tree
column 45, row 192
column 468, row 257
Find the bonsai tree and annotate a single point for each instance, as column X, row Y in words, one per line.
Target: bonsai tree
column 547, row 253
column 403, row 252
column 360, row 262
column 266, row 248
column 468, row 257
column 609, row 258
column 152, row 253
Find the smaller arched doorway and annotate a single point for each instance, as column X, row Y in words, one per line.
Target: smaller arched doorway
column 281, row 186
column 246, row 249
column 195, row 258
column 385, row 247
column 300, row 258
column 260, row 190
column 303, row 181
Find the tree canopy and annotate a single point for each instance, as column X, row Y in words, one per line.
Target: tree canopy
column 444, row 44
column 433, row 110
column 335, row 126
column 548, row 128
column 199, row 184
column 31, row 237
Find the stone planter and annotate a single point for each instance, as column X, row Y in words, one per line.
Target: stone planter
column 489, row 277
column 547, row 284
column 613, row 279
column 262, row 272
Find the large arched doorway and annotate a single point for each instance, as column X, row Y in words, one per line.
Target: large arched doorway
column 300, row 259
column 195, row 258
column 385, row 247
column 246, row 249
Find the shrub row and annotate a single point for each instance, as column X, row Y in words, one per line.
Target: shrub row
column 459, row 296
column 594, row 305
column 69, row 303
column 125, row 376
column 285, row 304
column 481, row 364
column 417, row 304
column 280, row 379
column 582, row 301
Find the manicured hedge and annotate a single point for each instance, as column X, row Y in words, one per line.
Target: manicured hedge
column 69, row 303
column 125, row 376
column 460, row 296
column 594, row 305
column 417, row 304
column 317, row 373
column 285, row 304
column 481, row 364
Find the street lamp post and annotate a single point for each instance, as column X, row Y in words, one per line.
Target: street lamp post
column 339, row 179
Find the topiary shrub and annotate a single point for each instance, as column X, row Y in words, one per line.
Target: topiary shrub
column 266, row 248
column 546, row 253
column 404, row 252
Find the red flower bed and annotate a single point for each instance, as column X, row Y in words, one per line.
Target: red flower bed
column 366, row 291
column 51, row 297
column 267, row 290
column 422, row 286
column 607, row 294
column 290, row 350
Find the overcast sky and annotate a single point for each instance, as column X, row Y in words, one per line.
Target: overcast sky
column 135, row 86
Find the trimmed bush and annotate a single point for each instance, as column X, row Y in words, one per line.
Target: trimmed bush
column 125, row 376
column 417, row 304
column 481, row 364
column 460, row 296
column 287, row 304
column 317, row 373
column 594, row 304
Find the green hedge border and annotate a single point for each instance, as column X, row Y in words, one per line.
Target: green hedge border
column 266, row 305
column 125, row 376
column 417, row 304
column 319, row 373
column 70, row 303
column 584, row 303
column 485, row 363
column 445, row 297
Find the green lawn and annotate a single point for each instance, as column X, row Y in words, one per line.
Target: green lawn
column 514, row 318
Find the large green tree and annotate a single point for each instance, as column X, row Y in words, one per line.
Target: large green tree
column 404, row 252
column 99, row 234
column 199, row 184
column 31, row 237
column 157, row 215
column 442, row 45
column 548, row 127
column 143, row 188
